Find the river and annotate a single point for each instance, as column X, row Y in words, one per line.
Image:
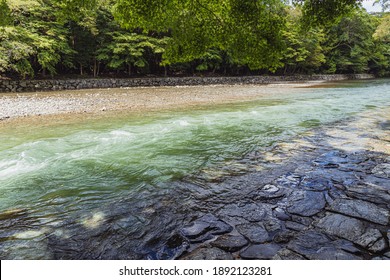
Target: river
column 71, row 185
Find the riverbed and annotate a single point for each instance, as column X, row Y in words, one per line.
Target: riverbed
column 262, row 173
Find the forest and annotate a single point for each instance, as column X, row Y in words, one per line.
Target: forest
column 124, row 38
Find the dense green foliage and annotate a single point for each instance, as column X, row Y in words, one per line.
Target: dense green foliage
column 131, row 37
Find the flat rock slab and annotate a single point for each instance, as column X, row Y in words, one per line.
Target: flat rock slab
column 205, row 228
column 342, row 226
column 253, row 212
column 317, row 246
column 373, row 240
column 206, row 253
column 353, row 230
column 260, row 252
column 295, row 226
column 255, row 232
column 230, row 243
column 306, row 203
column 361, row 209
column 316, row 184
column 382, row 170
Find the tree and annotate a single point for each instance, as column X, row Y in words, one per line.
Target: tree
column 326, row 12
column 304, row 52
column 5, row 13
column 127, row 50
column 350, row 45
column 16, row 50
column 250, row 31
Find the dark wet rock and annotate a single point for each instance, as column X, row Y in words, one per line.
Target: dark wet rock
column 272, row 224
column 372, row 194
column 175, row 246
column 196, row 229
column 382, row 170
column 286, row 254
column 314, row 245
column 306, row 203
column 270, row 193
column 316, row 184
column 361, row 209
column 295, row 226
column 208, row 253
column 205, row 228
column 260, row 252
column 289, row 180
column 307, row 221
column 281, row 214
column 342, row 226
column 346, row 246
column 230, row 243
column 353, row 230
column 284, row 236
column 253, row 212
column 373, row 240
column 388, row 235
column 255, row 232
column 374, row 181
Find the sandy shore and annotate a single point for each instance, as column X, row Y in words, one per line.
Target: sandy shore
column 98, row 101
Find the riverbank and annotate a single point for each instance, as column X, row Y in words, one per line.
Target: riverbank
column 71, row 84
column 104, row 101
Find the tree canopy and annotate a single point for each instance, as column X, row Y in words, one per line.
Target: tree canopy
column 137, row 37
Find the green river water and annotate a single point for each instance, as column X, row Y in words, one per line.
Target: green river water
column 69, row 169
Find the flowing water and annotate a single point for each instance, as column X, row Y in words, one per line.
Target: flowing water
column 76, row 171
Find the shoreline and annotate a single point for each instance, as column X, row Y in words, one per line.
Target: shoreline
column 100, row 83
column 97, row 102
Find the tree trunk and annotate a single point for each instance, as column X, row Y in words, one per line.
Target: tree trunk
column 81, row 69
column 94, row 68
column 129, row 69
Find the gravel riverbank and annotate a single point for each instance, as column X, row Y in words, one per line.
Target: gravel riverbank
column 97, row 101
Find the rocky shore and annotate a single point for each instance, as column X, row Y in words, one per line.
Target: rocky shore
column 324, row 195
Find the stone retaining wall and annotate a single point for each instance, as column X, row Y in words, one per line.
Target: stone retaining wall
column 70, row 84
